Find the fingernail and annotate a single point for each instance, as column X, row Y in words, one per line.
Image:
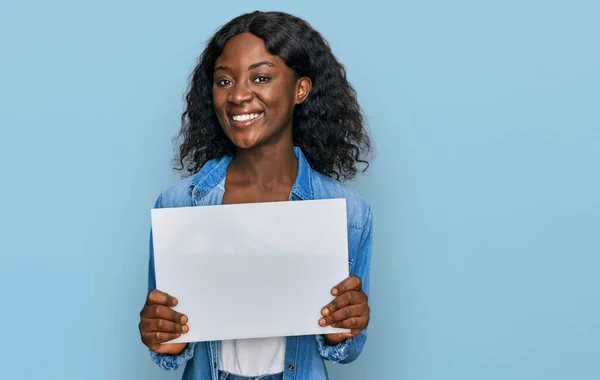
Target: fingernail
column 174, row 302
column 334, row 291
column 185, row 329
column 184, row 319
column 325, row 311
column 322, row 322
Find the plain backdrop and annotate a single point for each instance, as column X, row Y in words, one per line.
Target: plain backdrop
column 485, row 189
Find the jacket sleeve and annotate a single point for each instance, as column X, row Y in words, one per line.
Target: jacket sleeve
column 348, row 350
column 165, row 361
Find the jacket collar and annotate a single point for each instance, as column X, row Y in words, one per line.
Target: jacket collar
column 213, row 175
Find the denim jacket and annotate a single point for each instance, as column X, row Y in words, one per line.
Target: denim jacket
column 304, row 355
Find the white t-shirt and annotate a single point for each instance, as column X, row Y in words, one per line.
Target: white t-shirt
column 252, row 357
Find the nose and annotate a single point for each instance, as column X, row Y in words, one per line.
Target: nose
column 240, row 93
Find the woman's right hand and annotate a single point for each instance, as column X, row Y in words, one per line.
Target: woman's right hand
column 159, row 323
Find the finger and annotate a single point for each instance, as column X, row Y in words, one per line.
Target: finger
column 162, row 325
column 347, row 312
column 353, row 323
column 343, row 300
column 153, row 339
column 349, row 284
column 163, row 312
column 156, row 297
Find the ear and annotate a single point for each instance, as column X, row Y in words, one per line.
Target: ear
column 303, row 87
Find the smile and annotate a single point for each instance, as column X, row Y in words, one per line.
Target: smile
column 246, row 119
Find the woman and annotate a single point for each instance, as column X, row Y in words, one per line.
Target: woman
column 270, row 117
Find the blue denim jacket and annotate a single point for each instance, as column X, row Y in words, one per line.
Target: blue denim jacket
column 304, row 355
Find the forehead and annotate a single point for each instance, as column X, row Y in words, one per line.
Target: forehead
column 244, row 50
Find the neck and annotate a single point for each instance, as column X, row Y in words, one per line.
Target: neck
column 267, row 165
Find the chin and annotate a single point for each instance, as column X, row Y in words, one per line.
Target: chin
column 245, row 139
column 245, row 143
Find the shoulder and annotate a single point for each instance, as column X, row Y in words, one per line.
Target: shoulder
column 358, row 210
column 180, row 194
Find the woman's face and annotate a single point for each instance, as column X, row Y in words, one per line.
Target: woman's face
column 254, row 93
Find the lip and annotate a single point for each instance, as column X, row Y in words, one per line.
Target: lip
column 244, row 123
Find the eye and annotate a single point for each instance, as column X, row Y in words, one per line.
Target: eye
column 262, row 79
column 223, row 82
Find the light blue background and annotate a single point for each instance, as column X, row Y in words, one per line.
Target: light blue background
column 485, row 190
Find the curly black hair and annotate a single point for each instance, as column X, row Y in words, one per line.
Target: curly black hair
column 329, row 126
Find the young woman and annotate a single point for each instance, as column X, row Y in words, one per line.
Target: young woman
column 270, row 117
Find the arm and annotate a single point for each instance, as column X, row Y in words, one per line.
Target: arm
column 345, row 348
column 166, row 356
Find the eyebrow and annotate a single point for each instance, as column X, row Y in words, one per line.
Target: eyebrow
column 259, row 64
column 251, row 67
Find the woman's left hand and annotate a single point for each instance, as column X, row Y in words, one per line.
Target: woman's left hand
column 348, row 310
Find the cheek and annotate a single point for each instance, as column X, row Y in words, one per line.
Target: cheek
column 278, row 101
column 219, row 111
column 266, row 96
column 217, row 99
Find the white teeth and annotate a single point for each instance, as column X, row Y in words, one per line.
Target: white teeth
column 245, row 117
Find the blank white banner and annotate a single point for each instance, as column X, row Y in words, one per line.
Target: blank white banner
column 251, row 270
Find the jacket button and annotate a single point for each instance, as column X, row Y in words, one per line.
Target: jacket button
column 291, row 367
column 215, row 365
column 197, row 193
